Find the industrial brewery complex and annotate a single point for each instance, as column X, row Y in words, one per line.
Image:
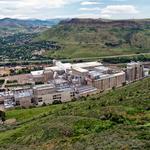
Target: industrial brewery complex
column 65, row 82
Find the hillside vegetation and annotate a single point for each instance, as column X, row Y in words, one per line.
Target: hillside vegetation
column 119, row 119
column 92, row 38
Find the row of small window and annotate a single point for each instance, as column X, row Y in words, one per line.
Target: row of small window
column 72, row 94
column 57, row 97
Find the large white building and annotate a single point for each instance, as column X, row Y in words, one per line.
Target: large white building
column 48, row 93
column 65, row 81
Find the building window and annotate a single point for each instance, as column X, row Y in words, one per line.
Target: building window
column 40, row 99
column 57, row 97
column 72, row 94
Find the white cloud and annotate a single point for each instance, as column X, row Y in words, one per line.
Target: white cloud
column 96, row 16
column 105, row 16
column 50, row 3
column 44, row 9
column 90, row 9
column 30, row 8
column 40, row 3
column 119, row 9
column 87, row 16
column 90, row 3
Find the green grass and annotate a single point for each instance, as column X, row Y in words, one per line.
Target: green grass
column 118, row 119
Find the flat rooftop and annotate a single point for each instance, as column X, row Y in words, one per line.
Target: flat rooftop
column 86, row 89
column 37, row 73
column 95, row 73
column 23, row 94
column 106, row 76
column 44, row 86
column 102, row 68
column 87, row 64
column 54, row 68
column 81, row 70
column 133, row 64
column 59, row 81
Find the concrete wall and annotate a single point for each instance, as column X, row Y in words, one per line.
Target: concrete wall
column 50, row 98
column 108, row 82
column 134, row 73
column 24, row 101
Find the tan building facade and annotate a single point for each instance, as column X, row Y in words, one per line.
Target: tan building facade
column 108, row 82
column 48, row 94
column 23, row 99
column 134, row 71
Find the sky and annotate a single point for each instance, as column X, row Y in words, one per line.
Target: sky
column 47, row 9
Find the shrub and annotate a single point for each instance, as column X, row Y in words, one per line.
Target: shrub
column 74, row 99
column 2, row 116
column 44, row 104
column 57, row 102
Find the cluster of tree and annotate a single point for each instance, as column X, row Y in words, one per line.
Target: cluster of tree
column 126, row 59
column 24, row 70
column 22, row 46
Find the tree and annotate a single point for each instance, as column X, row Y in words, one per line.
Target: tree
column 57, row 102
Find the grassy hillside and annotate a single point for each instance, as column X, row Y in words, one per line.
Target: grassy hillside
column 119, row 119
column 92, row 38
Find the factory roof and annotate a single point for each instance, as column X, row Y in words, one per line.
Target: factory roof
column 54, row 68
column 4, row 94
column 59, row 81
column 44, row 86
column 106, row 76
column 67, row 89
column 102, row 68
column 81, row 70
column 86, row 89
column 133, row 64
column 64, row 66
column 67, row 66
column 37, row 73
column 87, row 64
column 95, row 73
column 118, row 73
column 22, row 94
column 59, row 66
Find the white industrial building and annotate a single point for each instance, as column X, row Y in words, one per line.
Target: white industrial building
column 65, row 81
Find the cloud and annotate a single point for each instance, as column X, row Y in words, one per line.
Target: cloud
column 44, row 9
column 90, row 3
column 119, row 9
column 90, row 9
column 96, row 16
column 31, row 8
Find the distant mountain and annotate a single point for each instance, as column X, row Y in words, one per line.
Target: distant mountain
column 99, row 37
column 33, row 23
column 10, row 26
column 106, row 22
